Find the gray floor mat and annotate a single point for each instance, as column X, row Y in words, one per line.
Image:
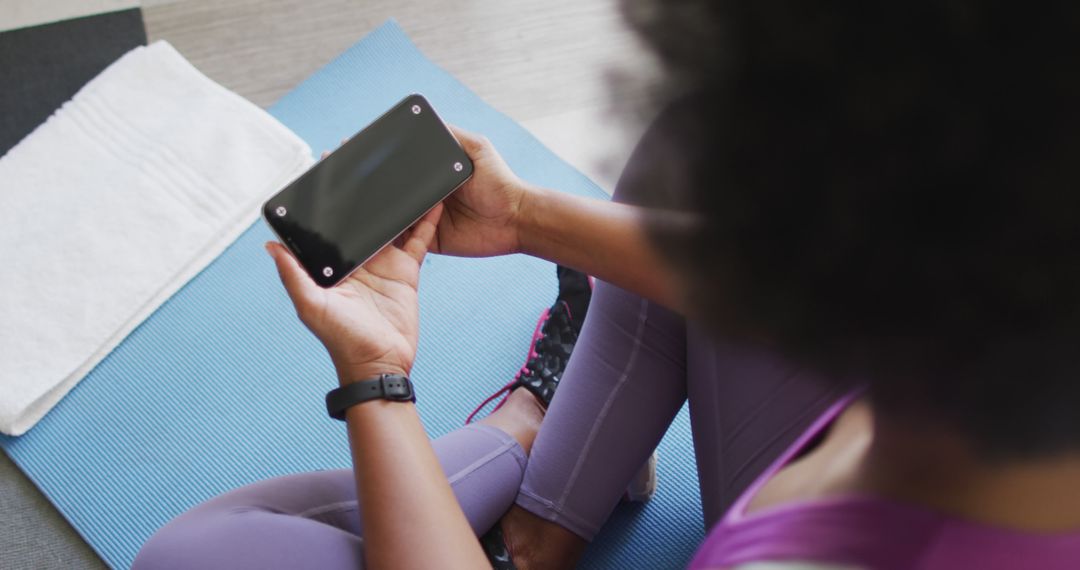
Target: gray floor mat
column 33, row 534
column 43, row 66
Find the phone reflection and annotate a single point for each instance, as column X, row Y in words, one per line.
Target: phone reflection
column 310, row 245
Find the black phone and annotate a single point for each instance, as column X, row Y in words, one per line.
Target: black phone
column 347, row 207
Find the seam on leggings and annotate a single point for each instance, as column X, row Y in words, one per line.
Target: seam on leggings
column 340, row 506
column 568, row 520
column 509, row 445
column 723, row 461
column 643, row 315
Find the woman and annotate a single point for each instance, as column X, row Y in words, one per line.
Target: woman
column 881, row 295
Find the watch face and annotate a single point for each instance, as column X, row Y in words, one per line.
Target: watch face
column 378, row 183
column 397, row 388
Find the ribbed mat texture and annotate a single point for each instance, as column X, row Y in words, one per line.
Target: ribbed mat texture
column 223, row 386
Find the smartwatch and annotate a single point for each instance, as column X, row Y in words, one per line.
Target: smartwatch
column 393, row 387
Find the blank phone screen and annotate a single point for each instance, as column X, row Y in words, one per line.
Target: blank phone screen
column 355, row 201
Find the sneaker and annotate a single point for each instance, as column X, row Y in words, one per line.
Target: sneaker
column 643, row 486
column 494, row 544
column 553, row 340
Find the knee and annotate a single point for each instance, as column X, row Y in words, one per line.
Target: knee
column 190, row 541
column 160, row 551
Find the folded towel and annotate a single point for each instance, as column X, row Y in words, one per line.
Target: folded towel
column 114, row 203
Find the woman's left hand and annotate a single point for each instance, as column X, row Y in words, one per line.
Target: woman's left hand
column 369, row 321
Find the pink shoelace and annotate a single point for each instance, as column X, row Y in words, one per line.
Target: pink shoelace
column 506, row 389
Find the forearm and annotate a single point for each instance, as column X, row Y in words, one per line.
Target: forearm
column 604, row 239
column 411, row 517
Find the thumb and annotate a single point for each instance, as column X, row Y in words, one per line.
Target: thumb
column 298, row 284
column 422, row 234
column 471, row 142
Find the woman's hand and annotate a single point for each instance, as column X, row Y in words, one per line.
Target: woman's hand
column 481, row 218
column 369, row 321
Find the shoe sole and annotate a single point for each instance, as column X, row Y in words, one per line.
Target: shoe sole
column 643, row 486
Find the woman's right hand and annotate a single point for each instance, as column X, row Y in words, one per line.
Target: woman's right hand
column 481, row 219
column 496, row 213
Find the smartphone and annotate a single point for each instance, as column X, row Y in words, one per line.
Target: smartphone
column 377, row 184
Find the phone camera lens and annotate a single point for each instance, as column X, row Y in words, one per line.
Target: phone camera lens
column 416, row 109
column 458, row 167
column 280, row 211
column 327, row 271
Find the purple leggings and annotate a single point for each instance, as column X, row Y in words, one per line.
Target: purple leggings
column 632, row 369
column 312, row 520
column 634, row 366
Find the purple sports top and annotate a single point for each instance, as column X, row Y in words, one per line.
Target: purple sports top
column 872, row 533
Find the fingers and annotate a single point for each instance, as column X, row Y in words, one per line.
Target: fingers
column 422, row 233
column 471, row 142
column 326, row 153
column 298, row 284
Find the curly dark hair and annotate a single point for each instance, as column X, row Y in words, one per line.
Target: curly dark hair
column 892, row 193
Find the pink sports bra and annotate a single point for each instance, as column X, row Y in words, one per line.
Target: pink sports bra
column 872, row 533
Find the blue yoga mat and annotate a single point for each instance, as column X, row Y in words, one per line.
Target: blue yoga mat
column 223, row 386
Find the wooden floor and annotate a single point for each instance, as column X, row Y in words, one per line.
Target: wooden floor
column 546, row 64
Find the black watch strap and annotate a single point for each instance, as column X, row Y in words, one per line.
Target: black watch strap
column 394, row 387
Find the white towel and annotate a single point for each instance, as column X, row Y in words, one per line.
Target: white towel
column 113, row 204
